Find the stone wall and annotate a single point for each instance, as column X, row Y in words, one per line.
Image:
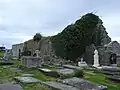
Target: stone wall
column 89, row 52
column 16, row 48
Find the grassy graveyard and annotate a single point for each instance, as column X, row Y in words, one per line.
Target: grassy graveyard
column 101, row 79
column 7, row 75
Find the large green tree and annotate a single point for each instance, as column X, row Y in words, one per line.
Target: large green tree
column 71, row 42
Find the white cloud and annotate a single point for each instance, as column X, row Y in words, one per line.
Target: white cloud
column 21, row 19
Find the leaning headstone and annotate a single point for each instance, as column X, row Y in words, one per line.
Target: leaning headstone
column 82, row 84
column 10, row 87
column 26, row 79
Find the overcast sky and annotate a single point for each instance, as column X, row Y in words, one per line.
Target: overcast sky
column 21, row 19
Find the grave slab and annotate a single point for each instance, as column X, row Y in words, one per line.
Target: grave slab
column 65, row 71
column 114, row 78
column 110, row 68
column 27, row 75
column 71, row 67
column 82, row 84
column 6, row 63
column 49, row 72
column 59, row 86
column 15, row 69
column 27, row 79
column 10, row 87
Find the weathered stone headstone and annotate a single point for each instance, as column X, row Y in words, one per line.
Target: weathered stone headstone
column 29, row 61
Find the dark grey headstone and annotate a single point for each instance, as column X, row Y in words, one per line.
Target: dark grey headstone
column 10, row 87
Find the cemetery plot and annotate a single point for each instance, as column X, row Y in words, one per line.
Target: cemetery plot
column 82, row 84
column 59, row 86
column 49, row 72
column 10, row 87
column 27, row 79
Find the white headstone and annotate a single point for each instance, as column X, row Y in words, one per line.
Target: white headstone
column 96, row 59
column 81, row 59
column 82, row 63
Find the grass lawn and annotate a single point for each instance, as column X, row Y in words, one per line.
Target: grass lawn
column 6, row 75
column 101, row 79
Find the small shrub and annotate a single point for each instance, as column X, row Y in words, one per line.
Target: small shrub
column 66, row 76
column 79, row 73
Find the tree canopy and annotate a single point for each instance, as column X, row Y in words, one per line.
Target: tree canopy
column 71, row 42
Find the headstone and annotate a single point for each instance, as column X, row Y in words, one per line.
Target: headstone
column 96, row 59
column 82, row 63
column 29, row 61
column 10, row 87
column 26, row 79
